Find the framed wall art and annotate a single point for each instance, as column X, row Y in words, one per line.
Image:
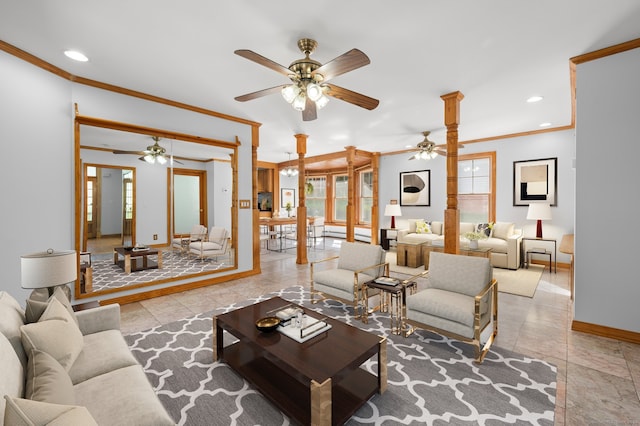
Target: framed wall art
column 535, row 181
column 287, row 195
column 415, row 188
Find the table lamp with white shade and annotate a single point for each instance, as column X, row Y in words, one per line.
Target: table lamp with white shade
column 539, row 212
column 392, row 210
column 49, row 269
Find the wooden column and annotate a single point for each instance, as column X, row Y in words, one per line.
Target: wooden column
column 301, row 212
column 351, row 197
column 375, row 208
column 452, row 214
column 255, row 143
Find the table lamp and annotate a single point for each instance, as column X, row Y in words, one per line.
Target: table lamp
column 539, row 212
column 49, row 269
column 392, row 210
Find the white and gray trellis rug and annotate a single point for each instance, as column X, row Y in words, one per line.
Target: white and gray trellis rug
column 431, row 379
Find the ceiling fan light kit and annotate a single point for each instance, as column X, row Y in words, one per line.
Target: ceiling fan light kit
column 309, row 90
column 289, row 171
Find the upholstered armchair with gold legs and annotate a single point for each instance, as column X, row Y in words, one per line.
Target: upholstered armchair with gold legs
column 215, row 245
column 357, row 264
column 460, row 300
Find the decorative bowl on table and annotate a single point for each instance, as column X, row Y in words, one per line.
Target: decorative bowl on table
column 267, row 324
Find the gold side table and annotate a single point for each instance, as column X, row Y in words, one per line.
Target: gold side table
column 392, row 301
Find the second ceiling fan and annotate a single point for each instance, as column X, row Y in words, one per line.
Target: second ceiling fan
column 309, row 90
column 428, row 149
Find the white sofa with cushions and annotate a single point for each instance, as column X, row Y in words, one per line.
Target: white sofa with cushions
column 58, row 367
column 504, row 239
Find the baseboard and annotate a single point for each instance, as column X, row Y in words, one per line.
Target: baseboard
column 603, row 331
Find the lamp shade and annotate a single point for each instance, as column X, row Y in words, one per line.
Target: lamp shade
column 539, row 211
column 392, row 210
column 48, row 269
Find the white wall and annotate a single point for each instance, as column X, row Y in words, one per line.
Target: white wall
column 36, row 130
column 545, row 145
column 607, row 286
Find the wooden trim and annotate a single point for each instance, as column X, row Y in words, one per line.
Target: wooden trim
column 604, row 331
column 607, row 51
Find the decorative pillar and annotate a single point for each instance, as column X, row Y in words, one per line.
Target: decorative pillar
column 351, row 193
column 452, row 214
column 255, row 143
column 301, row 212
column 375, row 208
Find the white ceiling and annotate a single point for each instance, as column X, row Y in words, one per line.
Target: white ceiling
column 496, row 52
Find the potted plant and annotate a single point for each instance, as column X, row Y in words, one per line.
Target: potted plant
column 473, row 238
column 288, row 208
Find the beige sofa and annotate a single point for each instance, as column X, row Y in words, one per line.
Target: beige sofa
column 70, row 369
column 504, row 240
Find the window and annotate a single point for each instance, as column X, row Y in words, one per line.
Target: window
column 341, row 194
column 316, row 195
column 476, row 187
column 366, row 197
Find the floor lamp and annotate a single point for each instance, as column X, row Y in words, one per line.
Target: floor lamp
column 392, row 210
column 48, row 270
column 539, row 212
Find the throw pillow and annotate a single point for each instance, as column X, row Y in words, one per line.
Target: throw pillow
column 423, row 227
column 47, row 380
column 35, row 308
column 55, row 333
column 485, row 228
column 27, row 412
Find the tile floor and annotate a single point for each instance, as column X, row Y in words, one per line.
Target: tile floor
column 598, row 378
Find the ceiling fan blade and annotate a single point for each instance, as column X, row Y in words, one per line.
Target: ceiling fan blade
column 440, row 151
column 310, row 112
column 128, row 152
column 346, row 62
column 259, row 59
column 352, row 97
column 259, row 93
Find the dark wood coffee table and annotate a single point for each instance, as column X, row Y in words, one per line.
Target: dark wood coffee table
column 133, row 260
column 317, row 382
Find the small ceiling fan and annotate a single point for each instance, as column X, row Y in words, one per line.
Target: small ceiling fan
column 309, row 90
column 153, row 154
column 427, row 149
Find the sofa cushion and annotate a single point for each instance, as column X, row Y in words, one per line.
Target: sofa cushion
column 466, row 227
column 13, row 318
column 47, row 380
column 12, row 381
column 131, row 399
column 101, row 352
column 55, row 333
column 503, row 230
column 423, row 227
column 25, row 412
column 485, row 228
column 35, row 308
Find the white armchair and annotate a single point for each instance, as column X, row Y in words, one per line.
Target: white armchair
column 217, row 244
column 358, row 263
column 460, row 301
column 198, row 233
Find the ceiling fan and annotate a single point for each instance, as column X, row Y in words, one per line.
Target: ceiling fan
column 309, row 90
column 153, row 154
column 427, row 149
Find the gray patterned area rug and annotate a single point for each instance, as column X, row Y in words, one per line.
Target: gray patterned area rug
column 431, row 379
column 107, row 275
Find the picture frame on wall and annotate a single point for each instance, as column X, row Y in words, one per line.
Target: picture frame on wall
column 287, row 195
column 535, row 181
column 415, row 188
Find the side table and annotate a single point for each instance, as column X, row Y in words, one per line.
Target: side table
column 524, row 253
column 409, row 254
column 392, row 300
column 384, row 237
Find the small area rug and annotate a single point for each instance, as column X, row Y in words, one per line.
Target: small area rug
column 431, row 379
column 521, row 282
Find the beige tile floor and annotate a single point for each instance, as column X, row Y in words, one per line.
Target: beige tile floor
column 598, row 378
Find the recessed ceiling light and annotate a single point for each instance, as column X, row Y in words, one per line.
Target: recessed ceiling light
column 547, row 124
column 75, row 55
column 533, row 99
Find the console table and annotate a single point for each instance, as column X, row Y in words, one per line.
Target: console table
column 566, row 246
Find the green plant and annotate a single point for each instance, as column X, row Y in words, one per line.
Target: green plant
column 475, row 236
column 288, row 207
